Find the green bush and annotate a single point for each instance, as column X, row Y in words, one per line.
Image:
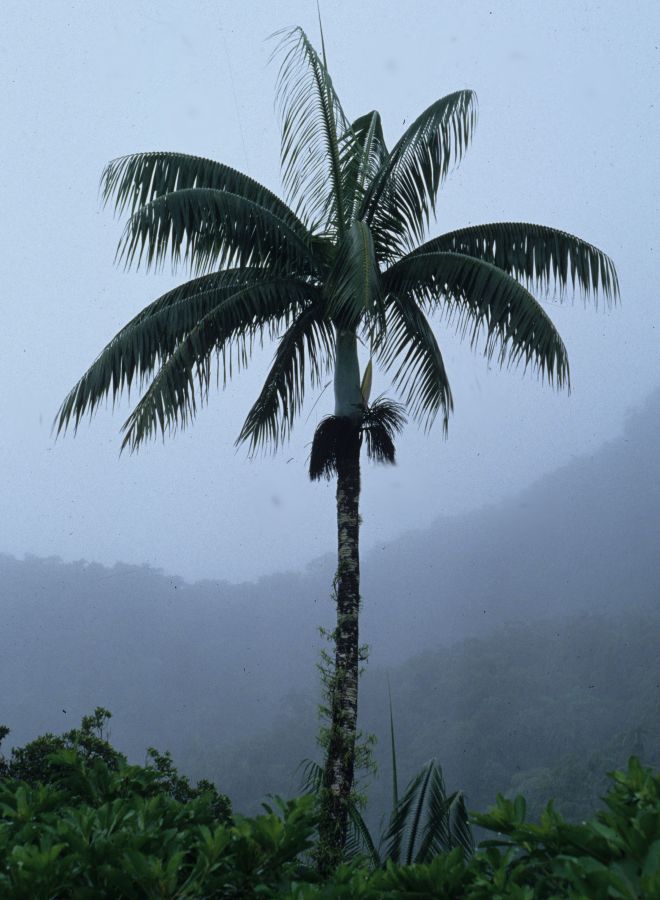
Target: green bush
column 77, row 821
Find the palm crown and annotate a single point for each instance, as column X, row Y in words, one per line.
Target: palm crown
column 343, row 260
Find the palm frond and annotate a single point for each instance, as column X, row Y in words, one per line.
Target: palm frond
column 359, row 839
column 137, row 351
column 416, row 809
column 305, row 350
column 370, row 155
column 135, row 180
column 427, row 821
column 460, row 831
column 408, row 348
column 381, row 422
column 207, row 228
column 312, row 123
column 481, row 300
column 312, row 776
column 404, row 191
column 399, row 823
column 535, row 255
column 353, row 286
column 184, row 377
column 436, row 838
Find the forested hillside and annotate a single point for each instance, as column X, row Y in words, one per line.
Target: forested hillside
column 544, row 709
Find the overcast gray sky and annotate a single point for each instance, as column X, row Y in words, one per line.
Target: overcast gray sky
column 568, row 136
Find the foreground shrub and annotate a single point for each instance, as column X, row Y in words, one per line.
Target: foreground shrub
column 96, row 827
column 104, row 832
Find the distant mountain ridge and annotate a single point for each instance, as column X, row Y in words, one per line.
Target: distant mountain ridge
column 585, row 536
column 166, row 656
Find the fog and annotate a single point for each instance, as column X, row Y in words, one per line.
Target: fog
column 182, row 587
column 559, row 584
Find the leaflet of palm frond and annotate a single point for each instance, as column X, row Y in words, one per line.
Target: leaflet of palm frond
column 395, row 772
column 435, row 836
column 415, row 824
column 359, row 839
column 311, row 777
column 409, row 351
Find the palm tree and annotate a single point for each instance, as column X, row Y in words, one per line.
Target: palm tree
column 343, row 261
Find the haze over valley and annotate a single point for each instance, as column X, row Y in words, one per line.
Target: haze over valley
column 557, row 587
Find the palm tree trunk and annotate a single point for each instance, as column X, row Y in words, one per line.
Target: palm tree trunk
column 340, row 754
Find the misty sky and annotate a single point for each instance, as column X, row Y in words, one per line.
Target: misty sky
column 568, row 136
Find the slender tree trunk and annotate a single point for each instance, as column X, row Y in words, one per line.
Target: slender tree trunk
column 340, row 753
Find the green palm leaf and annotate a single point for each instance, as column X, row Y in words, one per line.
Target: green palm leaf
column 306, row 349
column 229, row 329
column 135, row 180
column 481, row 300
column 137, row 351
column 534, row 254
column 408, row 348
column 399, row 825
column 417, row 808
column 315, row 134
column 403, row 193
column 363, row 165
column 460, row 832
column 359, row 838
column 436, row 838
column 208, row 228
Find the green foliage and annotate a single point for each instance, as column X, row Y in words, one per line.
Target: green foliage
column 616, row 854
column 37, row 762
column 64, row 761
column 98, row 827
column 135, row 843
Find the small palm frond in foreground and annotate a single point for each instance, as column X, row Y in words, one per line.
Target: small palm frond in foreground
column 427, row 821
